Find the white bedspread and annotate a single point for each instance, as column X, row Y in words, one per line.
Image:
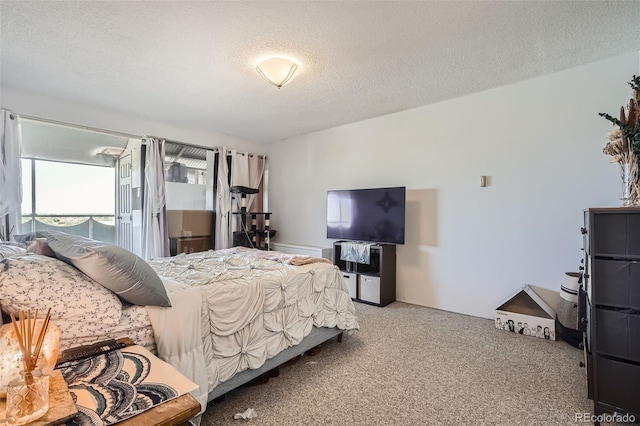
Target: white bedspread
column 181, row 336
column 253, row 309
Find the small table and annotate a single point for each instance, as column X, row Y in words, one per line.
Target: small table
column 61, row 405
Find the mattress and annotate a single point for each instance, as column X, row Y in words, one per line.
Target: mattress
column 259, row 304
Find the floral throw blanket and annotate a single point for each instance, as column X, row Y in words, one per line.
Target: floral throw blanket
column 116, row 385
column 356, row 252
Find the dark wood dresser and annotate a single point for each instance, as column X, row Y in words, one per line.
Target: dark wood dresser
column 612, row 311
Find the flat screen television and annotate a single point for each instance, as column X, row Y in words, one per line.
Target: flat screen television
column 371, row 215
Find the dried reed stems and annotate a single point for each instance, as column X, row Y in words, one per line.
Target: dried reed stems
column 624, row 142
column 30, row 343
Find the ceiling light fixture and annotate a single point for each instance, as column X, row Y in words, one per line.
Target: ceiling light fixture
column 277, row 70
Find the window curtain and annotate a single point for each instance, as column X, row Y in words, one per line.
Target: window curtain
column 255, row 203
column 239, row 177
column 256, row 165
column 155, row 229
column 246, row 170
column 223, row 202
column 10, row 176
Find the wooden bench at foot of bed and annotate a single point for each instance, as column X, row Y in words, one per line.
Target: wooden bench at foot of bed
column 317, row 336
column 174, row 412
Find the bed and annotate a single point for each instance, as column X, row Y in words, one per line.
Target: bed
column 234, row 314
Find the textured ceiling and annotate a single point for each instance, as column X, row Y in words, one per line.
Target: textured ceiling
column 191, row 63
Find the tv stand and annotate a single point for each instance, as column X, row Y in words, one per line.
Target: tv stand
column 374, row 283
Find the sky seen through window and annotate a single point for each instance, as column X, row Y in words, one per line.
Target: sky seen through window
column 65, row 188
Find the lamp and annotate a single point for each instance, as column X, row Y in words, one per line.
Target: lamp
column 277, row 70
column 11, row 364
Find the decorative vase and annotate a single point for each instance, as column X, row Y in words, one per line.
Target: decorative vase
column 630, row 185
column 11, row 357
column 27, row 398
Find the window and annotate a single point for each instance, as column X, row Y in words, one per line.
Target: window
column 185, row 164
column 74, row 198
column 188, row 198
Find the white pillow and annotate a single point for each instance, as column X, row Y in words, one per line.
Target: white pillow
column 30, row 281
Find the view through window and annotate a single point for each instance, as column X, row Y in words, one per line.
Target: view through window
column 75, row 198
column 186, row 193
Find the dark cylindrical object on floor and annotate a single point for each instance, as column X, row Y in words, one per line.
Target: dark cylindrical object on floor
column 567, row 311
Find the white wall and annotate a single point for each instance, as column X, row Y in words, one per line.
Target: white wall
column 468, row 248
column 30, row 104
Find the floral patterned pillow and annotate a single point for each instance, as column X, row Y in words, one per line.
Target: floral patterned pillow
column 30, row 281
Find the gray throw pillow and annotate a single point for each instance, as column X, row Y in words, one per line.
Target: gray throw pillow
column 28, row 237
column 117, row 269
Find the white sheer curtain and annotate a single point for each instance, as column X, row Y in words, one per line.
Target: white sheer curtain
column 223, row 202
column 240, row 169
column 239, row 177
column 246, row 170
column 256, row 165
column 10, row 175
column 155, row 232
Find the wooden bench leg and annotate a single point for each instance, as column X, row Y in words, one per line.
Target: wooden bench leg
column 263, row 378
column 340, row 338
column 315, row 350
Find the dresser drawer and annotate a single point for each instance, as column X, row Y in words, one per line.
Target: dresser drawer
column 618, row 334
column 615, row 234
column 351, row 280
column 370, row 288
column 616, row 283
column 618, row 384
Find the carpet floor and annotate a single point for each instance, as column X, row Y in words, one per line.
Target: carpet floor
column 411, row 365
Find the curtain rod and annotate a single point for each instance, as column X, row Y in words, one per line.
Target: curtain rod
column 114, row 133
column 79, row 126
column 240, row 152
column 214, row 149
column 177, row 142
